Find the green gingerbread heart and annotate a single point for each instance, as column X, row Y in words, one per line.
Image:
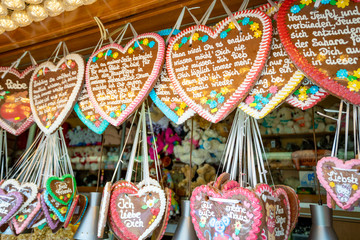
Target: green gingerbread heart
column 62, row 189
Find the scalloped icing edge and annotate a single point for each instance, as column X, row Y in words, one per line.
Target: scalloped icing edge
column 310, row 102
column 30, row 120
column 168, row 194
column 250, row 195
column 58, row 214
column 14, row 210
column 19, row 229
column 72, row 98
column 62, row 178
column 280, row 97
column 104, row 209
column 346, row 165
column 99, row 130
column 71, row 211
column 325, row 82
column 146, row 88
column 83, row 213
column 262, row 187
column 158, row 218
column 293, row 224
column 251, row 77
column 52, row 224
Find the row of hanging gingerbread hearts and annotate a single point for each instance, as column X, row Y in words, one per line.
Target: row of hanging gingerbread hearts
column 24, row 206
column 223, row 208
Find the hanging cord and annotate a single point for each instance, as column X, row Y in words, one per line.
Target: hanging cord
column 190, row 160
column 316, row 153
column 100, row 162
column 16, row 63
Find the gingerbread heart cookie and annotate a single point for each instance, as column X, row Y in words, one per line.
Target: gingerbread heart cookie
column 15, row 111
column 278, row 79
column 54, row 91
column 80, row 209
column 340, row 179
column 62, row 189
column 61, row 210
column 233, row 214
column 160, row 230
column 51, row 218
column 10, row 203
column 294, row 204
column 213, row 70
column 71, row 211
column 137, row 212
column 323, row 44
column 118, row 79
column 277, row 212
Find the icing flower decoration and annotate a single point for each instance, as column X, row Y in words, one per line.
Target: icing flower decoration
column 273, row 89
column 257, row 33
column 123, row 107
column 237, row 226
column 146, row 41
column 213, row 104
column 221, row 99
column 258, row 106
column 130, row 50
column 203, row 100
column 115, row 55
column 202, row 221
column 303, row 90
column 342, row 73
column 176, row 47
column 332, row 184
column 195, row 37
column 21, row 218
column 357, row 73
column 354, row 187
column 258, row 96
column 306, row 2
column 245, row 21
column 224, row 90
column 265, row 100
column 53, row 216
column 325, row 1
column 173, row 106
column 204, row 38
column 213, row 93
column 180, row 112
column 303, row 97
column 342, row 3
column 184, row 40
column 254, row 26
column 295, row 9
column 136, row 44
column 354, row 86
column 314, row 89
column 223, row 34
column 231, row 25
column 183, row 105
column 150, row 203
column 108, row 52
column 151, row 44
column 63, row 210
column 249, row 100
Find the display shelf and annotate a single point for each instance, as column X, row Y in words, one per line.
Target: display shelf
column 297, row 135
column 88, row 189
column 290, row 168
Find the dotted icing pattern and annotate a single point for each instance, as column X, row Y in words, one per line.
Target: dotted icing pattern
column 298, row 7
column 62, row 212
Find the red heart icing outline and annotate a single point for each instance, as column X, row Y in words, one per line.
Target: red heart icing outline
column 262, row 190
column 205, row 190
column 71, row 210
column 29, row 120
column 348, row 193
column 245, row 85
column 146, row 86
column 160, row 230
column 326, row 82
column 294, row 204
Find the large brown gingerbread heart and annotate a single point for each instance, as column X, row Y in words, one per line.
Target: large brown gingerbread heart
column 54, row 91
column 213, row 70
column 324, row 44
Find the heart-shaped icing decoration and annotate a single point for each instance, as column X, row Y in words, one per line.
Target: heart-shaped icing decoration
column 277, row 212
column 80, row 209
column 137, row 213
column 119, row 79
column 24, row 217
column 59, row 209
column 278, row 79
column 10, row 204
column 104, row 209
column 71, row 211
column 294, row 204
column 28, row 190
column 213, row 70
column 160, row 230
column 54, row 90
column 323, row 44
column 51, row 218
column 15, row 111
column 307, row 95
column 234, row 214
column 62, row 189
column 340, row 179
column 165, row 96
column 87, row 113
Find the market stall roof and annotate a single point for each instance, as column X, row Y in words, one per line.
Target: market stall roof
column 81, row 33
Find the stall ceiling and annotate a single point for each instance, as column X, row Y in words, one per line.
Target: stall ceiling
column 80, row 31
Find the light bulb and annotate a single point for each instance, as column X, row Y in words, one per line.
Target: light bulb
column 7, row 23
column 54, row 7
column 37, row 12
column 14, row 4
column 33, row 1
column 2, row 30
column 73, row 3
column 21, row 18
column 87, row 2
column 3, row 10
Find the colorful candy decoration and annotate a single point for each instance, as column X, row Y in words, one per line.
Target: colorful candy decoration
column 213, row 70
column 322, row 44
column 119, row 79
column 277, row 81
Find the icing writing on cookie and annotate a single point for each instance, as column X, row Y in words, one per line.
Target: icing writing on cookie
column 127, row 213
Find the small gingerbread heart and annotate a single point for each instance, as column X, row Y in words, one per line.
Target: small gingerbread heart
column 62, row 189
column 10, row 203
